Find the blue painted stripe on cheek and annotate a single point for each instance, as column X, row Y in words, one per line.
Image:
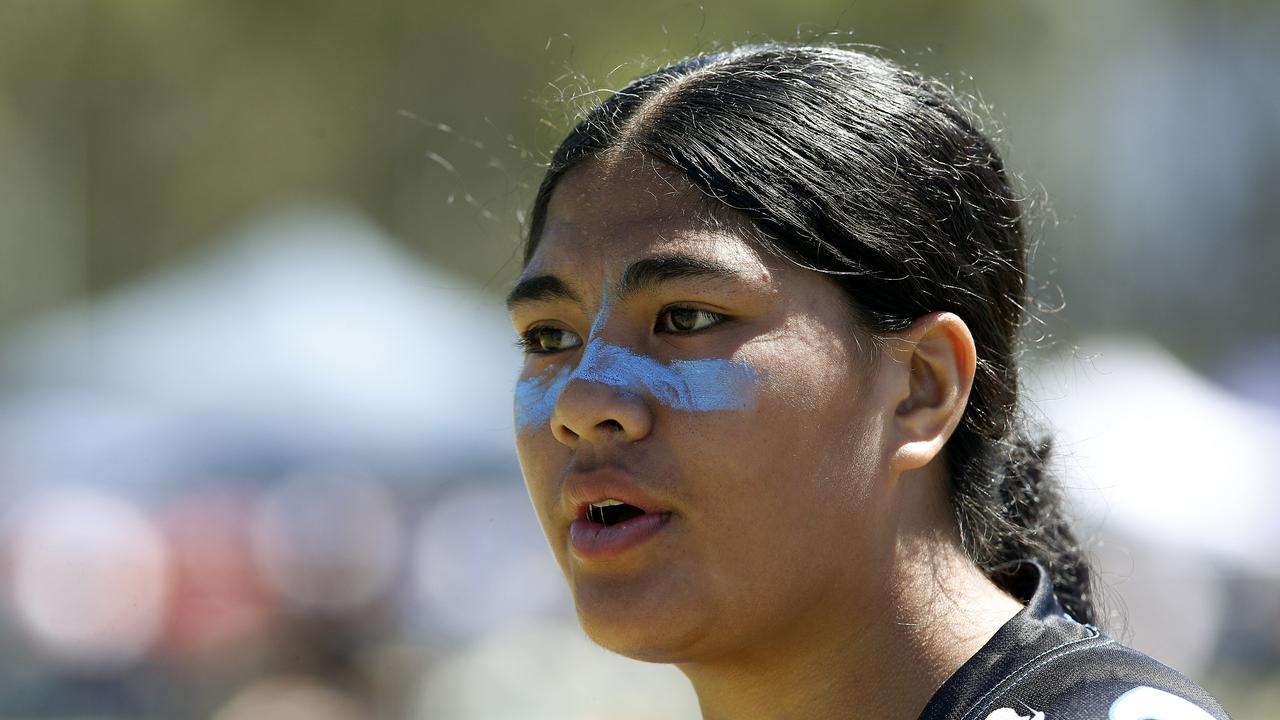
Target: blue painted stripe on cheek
column 716, row 384
column 536, row 398
column 688, row 385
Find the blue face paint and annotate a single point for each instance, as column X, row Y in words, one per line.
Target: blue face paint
column 536, row 397
column 688, row 385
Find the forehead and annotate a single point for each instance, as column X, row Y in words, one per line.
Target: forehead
column 608, row 212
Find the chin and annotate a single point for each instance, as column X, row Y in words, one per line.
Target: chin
column 647, row 644
column 642, row 626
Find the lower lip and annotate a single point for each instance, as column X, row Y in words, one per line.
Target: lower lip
column 596, row 542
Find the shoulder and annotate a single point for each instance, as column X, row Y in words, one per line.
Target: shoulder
column 1043, row 665
column 1095, row 678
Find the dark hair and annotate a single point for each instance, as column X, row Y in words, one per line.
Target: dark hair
column 856, row 167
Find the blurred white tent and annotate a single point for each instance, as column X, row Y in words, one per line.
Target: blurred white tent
column 1174, row 484
column 1148, row 447
column 307, row 328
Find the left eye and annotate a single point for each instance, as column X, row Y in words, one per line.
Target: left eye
column 682, row 320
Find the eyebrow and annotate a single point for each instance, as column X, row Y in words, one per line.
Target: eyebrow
column 541, row 288
column 651, row 272
column 639, row 276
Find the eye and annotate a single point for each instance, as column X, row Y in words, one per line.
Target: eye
column 546, row 339
column 681, row 320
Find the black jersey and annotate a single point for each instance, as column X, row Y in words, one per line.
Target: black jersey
column 1043, row 665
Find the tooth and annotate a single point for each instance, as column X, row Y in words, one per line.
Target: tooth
column 607, row 503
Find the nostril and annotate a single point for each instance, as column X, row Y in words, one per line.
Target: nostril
column 611, row 424
column 564, row 434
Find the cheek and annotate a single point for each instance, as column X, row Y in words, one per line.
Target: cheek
column 793, row 471
column 712, row 385
column 541, row 459
column 536, row 448
column 810, row 396
column 536, row 396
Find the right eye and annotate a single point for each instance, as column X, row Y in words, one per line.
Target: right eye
column 546, row 339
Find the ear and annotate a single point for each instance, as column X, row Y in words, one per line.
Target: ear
column 934, row 364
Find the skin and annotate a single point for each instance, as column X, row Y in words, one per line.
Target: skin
column 811, row 566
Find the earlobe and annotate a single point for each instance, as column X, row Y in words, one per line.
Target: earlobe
column 936, row 378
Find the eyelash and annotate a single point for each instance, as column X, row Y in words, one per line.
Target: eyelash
column 666, row 313
column 530, row 341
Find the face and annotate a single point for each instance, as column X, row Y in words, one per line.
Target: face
column 673, row 368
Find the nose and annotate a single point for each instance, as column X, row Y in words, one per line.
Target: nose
column 599, row 412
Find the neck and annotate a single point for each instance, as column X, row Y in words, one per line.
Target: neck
column 880, row 645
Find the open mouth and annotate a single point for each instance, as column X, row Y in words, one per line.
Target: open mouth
column 612, row 512
column 607, row 529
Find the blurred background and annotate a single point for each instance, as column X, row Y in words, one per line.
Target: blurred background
column 255, row 439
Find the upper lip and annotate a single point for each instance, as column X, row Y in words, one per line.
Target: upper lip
column 581, row 489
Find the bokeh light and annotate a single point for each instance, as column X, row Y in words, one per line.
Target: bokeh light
column 482, row 563
column 90, row 576
column 327, row 540
column 218, row 598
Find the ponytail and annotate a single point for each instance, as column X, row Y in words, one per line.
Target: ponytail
column 1020, row 515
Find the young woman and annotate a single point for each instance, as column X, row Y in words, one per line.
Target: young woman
column 768, row 416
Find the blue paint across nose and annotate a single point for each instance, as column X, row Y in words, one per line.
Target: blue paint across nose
column 688, row 385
